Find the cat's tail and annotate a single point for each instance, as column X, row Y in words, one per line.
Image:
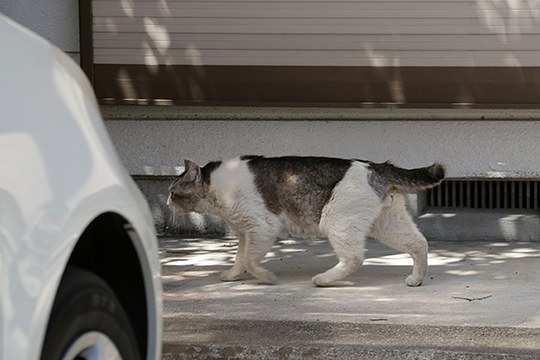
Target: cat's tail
column 420, row 178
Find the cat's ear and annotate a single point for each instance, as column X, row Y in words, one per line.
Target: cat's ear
column 193, row 171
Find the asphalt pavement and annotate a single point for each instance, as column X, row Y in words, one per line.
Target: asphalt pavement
column 480, row 300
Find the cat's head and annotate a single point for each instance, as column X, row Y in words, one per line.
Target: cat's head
column 186, row 191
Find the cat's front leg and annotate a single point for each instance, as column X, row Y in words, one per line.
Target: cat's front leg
column 239, row 268
column 258, row 243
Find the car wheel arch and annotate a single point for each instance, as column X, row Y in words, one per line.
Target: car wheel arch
column 106, row 249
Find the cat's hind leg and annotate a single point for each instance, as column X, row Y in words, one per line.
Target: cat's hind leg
column 346, row 220
column 239, row 267
column 350, row 252
column 395, row 228
column 347, row 237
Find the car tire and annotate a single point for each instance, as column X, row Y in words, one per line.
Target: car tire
column 88, row 321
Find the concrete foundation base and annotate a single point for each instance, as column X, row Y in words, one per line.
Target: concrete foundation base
column 153, row 141
column 458, row 225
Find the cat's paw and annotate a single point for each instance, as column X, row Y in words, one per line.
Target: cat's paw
column 413, row 281
column 267, row 278
column 320, row 280
column 231, row 275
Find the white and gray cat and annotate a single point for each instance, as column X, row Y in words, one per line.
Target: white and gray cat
column 344, row 200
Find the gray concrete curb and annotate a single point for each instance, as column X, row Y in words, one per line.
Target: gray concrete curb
column 218, row 339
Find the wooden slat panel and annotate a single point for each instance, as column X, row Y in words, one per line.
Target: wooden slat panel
column 312, row 26
column 316, row 86
column 105, row 3
column 309, row 11
column 397, row 52
column 413, row 42
column 269, row 41
column 278, row 8
column 425, row 33
column 321, row 58
column 364, row 33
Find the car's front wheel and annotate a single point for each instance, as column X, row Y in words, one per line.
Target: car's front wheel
column 87, row 321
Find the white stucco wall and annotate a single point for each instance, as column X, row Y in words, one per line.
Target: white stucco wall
column 154, row 141
column 57, row 21
column 469, row 148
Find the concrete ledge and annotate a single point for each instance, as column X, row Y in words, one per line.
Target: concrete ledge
column 135, row 112
column 462, row 225
column 473, row 225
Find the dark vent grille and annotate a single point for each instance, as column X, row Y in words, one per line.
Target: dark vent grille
column 485, row 194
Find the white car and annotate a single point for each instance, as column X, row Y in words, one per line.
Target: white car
column 79, row 267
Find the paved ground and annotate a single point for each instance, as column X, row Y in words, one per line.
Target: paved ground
column 480, row 300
